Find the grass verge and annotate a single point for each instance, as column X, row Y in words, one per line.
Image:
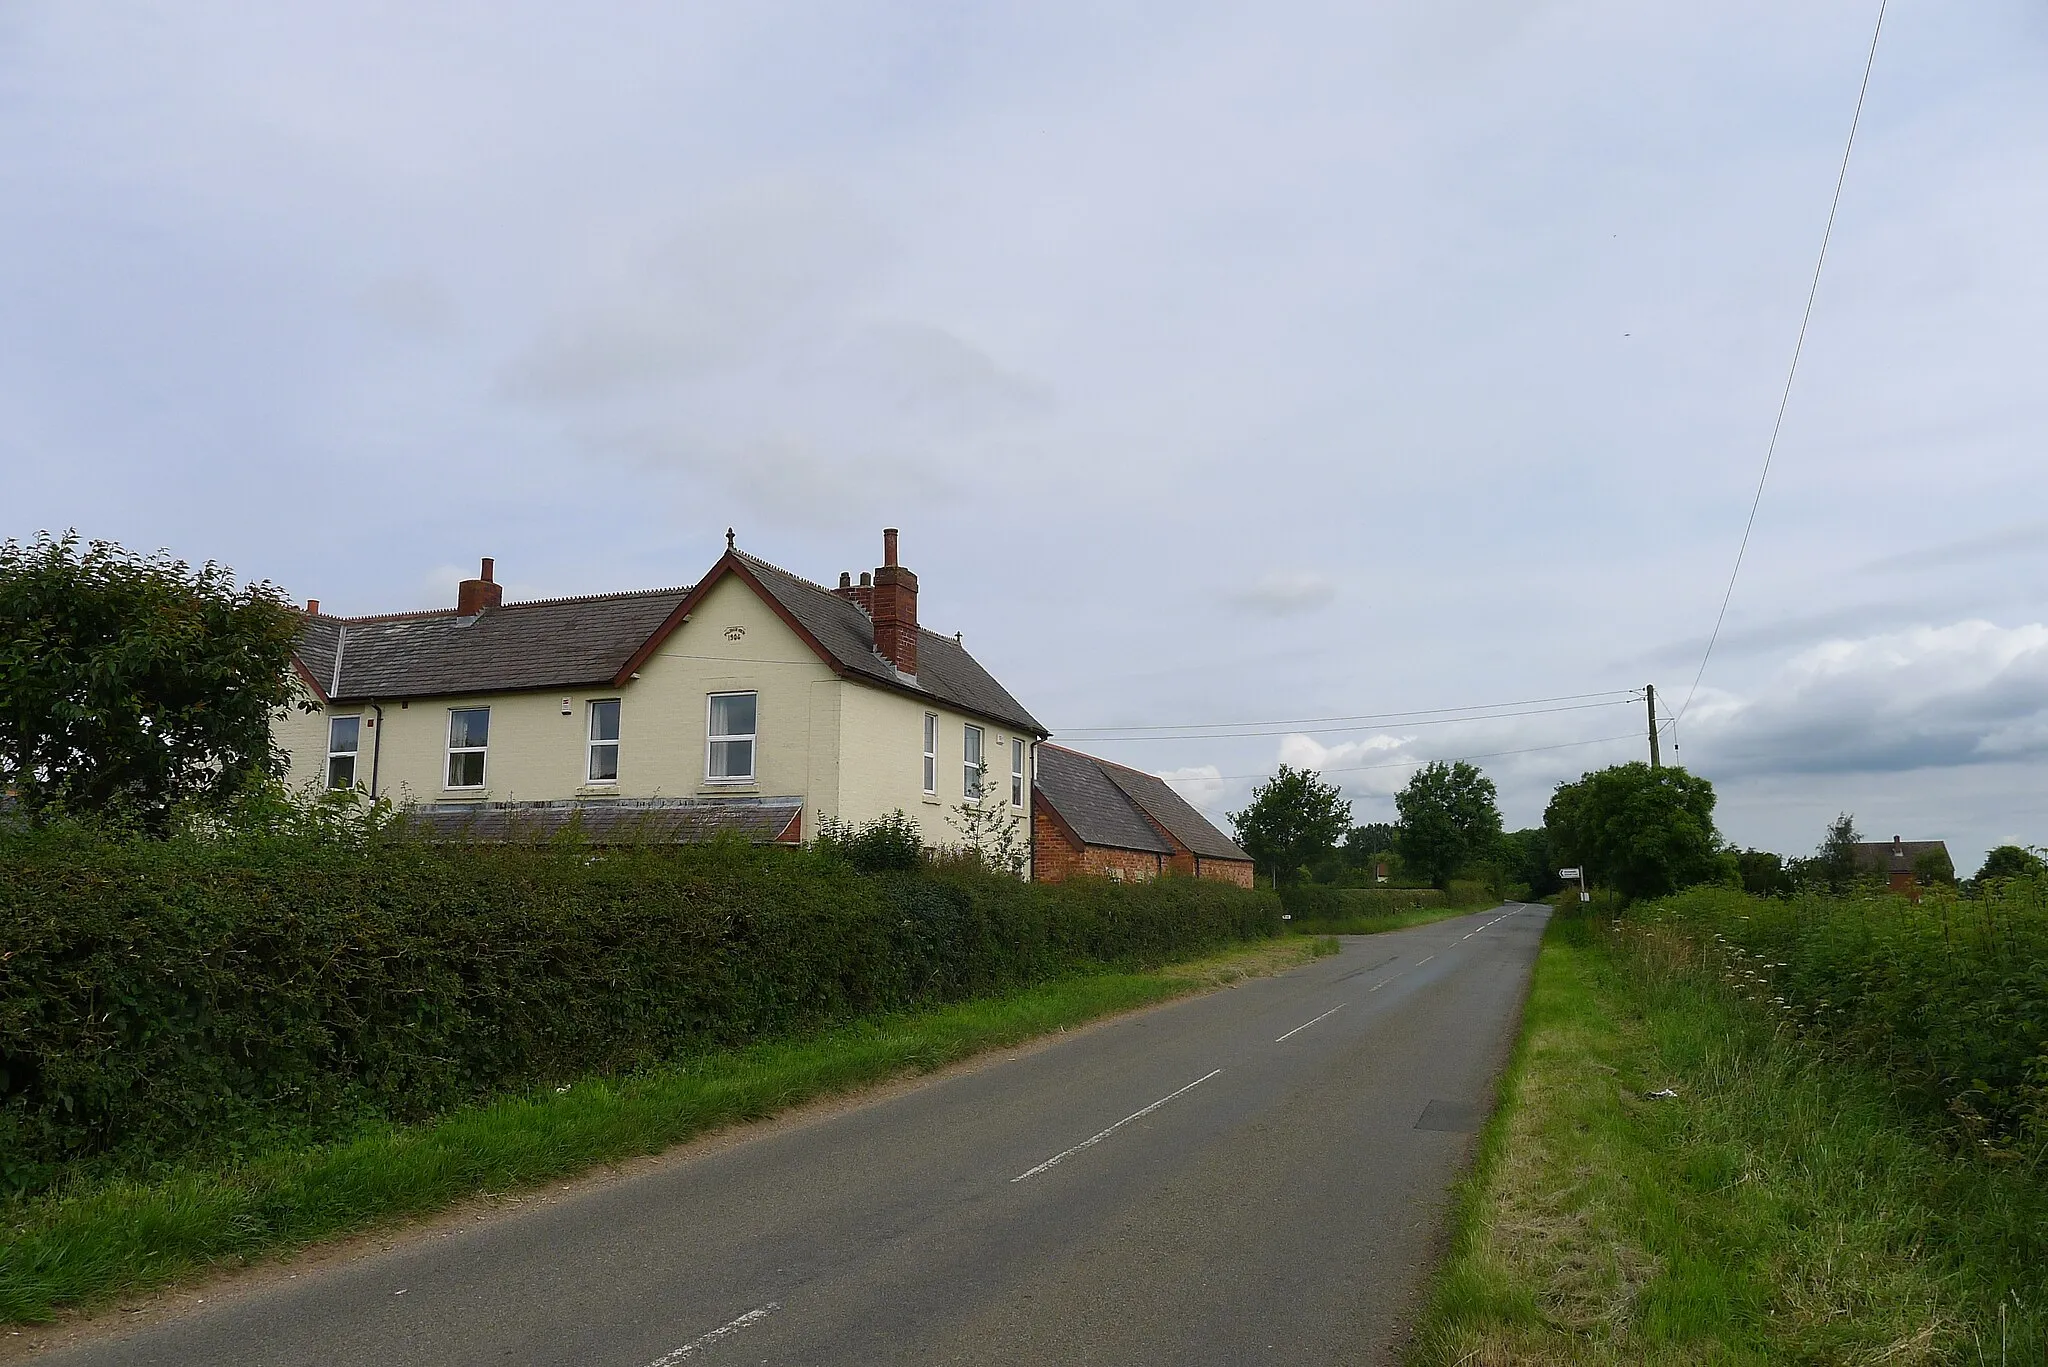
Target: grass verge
column 89, row 1245
column 1777, row 1210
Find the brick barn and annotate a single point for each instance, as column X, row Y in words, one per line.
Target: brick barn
column 1089, row 816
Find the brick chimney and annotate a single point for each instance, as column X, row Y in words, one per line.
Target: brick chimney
column 861, row 595
column 312, row 607
column 474, row 595
column 895, row 608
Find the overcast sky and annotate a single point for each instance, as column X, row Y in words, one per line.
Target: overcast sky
column 1220, row 363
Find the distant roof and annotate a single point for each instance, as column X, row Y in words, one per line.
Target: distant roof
column 590, row 641
column 1886, row 856
column 1123, row 808
column 763, row 821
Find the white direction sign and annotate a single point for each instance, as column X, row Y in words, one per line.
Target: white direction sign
column 1567, row 873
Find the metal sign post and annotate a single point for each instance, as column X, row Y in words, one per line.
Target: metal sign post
column 1579, row 874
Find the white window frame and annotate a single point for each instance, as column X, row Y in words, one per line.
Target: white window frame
column 351, row 756
column 931, row 754
column 592, row 744
column 973, row 755
column 484, row 750
column 1017, row 771
column 753, row 737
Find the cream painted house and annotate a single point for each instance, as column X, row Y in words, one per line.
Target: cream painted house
column 754, row 701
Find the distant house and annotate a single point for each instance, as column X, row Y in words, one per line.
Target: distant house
column 754, row 701
column 1089, row 816
column 1897, row 860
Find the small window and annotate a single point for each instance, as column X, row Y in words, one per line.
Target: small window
column 931, row 753
column 469, row 736
column 971, row 764
column 344, row 740
column 604, row 741
column 729, row 748
column 1016, row 771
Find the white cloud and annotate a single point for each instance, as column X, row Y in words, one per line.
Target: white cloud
column 1287, row 591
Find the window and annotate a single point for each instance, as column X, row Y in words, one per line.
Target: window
column 1016, row 771
column 604, row 741
column 344, row 738
column 971, row 764
column 931, row 753
column 730, row 735
column 469, row 735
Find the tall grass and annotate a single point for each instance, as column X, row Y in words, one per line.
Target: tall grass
column 1781, row 1208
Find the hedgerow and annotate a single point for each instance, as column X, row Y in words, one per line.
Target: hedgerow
column 1947, row 999
column 164, row 997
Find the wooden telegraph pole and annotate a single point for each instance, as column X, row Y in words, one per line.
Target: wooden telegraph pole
column 1650, row 700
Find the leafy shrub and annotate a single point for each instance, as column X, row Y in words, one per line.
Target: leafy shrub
column 1321, row 902
column 1947, row 998
column 889, row 843
column 194, row 994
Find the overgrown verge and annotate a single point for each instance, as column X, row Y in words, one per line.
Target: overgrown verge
column 97, row 1240
column 1319, row 909
column 209, row 998
column 1783, row 1206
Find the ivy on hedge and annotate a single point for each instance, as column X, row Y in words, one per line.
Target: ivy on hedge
column 163, row 997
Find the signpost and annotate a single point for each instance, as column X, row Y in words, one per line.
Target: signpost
column 1580, row 875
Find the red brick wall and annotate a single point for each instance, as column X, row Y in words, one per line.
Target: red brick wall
column 1229, row 871
column 1054, row 857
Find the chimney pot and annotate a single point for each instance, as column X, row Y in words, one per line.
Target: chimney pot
column 845, row 580
column 490, row 568
column 312, row 607
column 866, row 579
column 474, row 595
column 888, row 545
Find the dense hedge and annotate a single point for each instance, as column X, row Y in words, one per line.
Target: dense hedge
column 1948, row 999
column 1324, row 902
column 162, row 997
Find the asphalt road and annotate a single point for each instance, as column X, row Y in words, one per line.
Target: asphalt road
column 1254, row 1176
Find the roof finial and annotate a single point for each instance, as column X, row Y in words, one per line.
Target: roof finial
column 728, row 538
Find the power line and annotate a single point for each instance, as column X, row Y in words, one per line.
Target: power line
column 1785, row 399
column 1623, row 694
column 1417, row 759
column 1133, row 735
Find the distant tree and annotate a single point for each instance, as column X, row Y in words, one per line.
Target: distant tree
column 2012, row 861
column 1367, row 842
column 1449, row 817
column 131, row 684
column 1294, row 820
column 1834, row 863
column 1643, row 832
column 1763, row 874
column 1527, row 857
column 1934, row 867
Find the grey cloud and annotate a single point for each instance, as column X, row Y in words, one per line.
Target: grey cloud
column 411, row 306
column 1284, row 592
column 2028, row 538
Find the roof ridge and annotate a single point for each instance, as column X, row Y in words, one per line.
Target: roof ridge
column 752, row 559
column 423, row 614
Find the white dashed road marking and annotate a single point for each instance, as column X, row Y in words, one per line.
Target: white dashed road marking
column 1094, row 1139
column 1305, row 1024
column 723, row 1331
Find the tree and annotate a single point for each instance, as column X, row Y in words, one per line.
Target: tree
column 1834, row 863
column 1763, row 873
column 2012, row 861
column 1448, row 817
column 1530, row 858
column 130, row 684
column 1294, row 820
column 1934, row 867
column 1643, row 832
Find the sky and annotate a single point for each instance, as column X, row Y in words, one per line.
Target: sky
column 1220, row 363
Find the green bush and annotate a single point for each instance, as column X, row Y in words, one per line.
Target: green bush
column 885, row 844
column 1947, row 998
column 161, row 998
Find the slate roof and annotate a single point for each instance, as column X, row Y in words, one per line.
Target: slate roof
column 763, row 821
column 1884, row 856
column 1113, row 805
column 586, row 642
column 553, row 643
column 1095, row 809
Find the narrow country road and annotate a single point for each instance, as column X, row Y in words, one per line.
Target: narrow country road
column 1259, row 1175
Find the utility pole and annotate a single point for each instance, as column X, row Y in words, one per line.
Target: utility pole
column 1650, row 700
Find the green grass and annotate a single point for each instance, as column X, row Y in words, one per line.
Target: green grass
column 103, row 1239
column 1780, row 1209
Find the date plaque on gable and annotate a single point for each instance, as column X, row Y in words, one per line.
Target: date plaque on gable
column 735, row 633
